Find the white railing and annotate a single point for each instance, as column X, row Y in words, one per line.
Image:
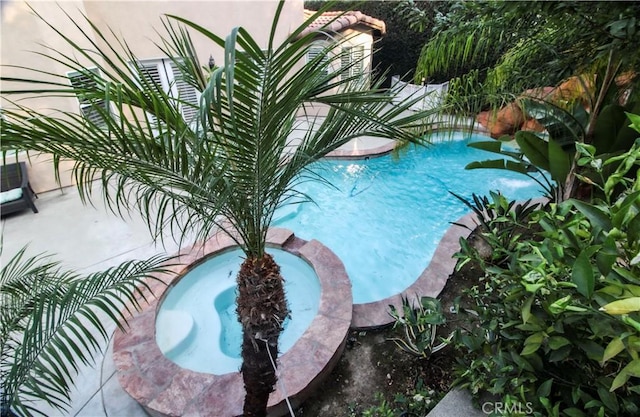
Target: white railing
column 432, row 94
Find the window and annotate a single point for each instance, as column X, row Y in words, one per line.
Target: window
column 85, row 83
column 165, row 73
column 352, row 57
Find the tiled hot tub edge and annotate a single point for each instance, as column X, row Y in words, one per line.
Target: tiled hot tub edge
column 165, row 389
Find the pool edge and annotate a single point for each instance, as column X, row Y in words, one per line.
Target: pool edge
column 430, row 282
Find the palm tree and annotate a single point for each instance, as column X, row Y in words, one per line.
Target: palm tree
column 52, row 320
column 229, row 168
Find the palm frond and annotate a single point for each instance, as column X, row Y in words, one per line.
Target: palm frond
column 53, row 321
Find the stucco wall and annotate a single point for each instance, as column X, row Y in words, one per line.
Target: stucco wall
column 25, row 36
column 137, row 21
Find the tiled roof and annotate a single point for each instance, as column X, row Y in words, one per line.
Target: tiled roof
column 336, row 21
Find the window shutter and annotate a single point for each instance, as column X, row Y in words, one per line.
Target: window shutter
column 345, row 61
column 313, row 53
column 151, row 72
column 89, row 107
column 187, row 94
column 357, row 57
column 352, row 57
column 151, row 75
column 165, row 74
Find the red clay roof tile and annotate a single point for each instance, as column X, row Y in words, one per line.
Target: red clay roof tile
column 336, row 21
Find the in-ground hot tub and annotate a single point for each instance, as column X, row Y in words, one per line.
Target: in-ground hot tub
column 165, row 388
column 197, row 325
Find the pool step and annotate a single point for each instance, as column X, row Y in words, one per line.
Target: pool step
column 180, row 325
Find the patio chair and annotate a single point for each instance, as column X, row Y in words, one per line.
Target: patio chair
column 17, row 193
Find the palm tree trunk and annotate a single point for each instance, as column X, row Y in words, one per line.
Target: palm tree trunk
column 262, row 308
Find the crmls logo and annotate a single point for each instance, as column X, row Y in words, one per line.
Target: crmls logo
column 507, row 409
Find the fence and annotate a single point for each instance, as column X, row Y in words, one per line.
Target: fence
column 433, row 93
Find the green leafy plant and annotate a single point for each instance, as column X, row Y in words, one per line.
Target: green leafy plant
column 611, row 176
column 419, row 323
column 53, row 320
column 557, row 324
column 502, row 223
column 383, row 409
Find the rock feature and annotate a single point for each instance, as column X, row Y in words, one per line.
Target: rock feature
column 513, row 117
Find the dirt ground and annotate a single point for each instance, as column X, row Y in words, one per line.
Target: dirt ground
column 373, row 364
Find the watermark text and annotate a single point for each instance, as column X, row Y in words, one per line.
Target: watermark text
column 503, row 409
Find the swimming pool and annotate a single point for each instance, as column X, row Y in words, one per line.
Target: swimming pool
column 386, row 215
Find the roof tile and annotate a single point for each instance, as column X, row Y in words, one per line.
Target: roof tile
column 336, row 21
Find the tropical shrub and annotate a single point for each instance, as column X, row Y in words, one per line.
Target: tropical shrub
column 501, row 224
column 558, row 320
column 419, row 325
column 521, row 45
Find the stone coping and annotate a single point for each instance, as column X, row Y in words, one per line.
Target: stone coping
column 165, row 389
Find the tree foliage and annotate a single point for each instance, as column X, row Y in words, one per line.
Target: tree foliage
column 52, row 321
column 530, row 44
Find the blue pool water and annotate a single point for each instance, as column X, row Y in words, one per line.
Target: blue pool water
column 386, row 215
column 197, row 326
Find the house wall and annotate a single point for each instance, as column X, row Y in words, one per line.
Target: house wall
column 220, row 17
column 137, row 21
column 358, row 35
column 24, row 36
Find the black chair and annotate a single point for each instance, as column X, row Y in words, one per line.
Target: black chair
column 13, row 177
